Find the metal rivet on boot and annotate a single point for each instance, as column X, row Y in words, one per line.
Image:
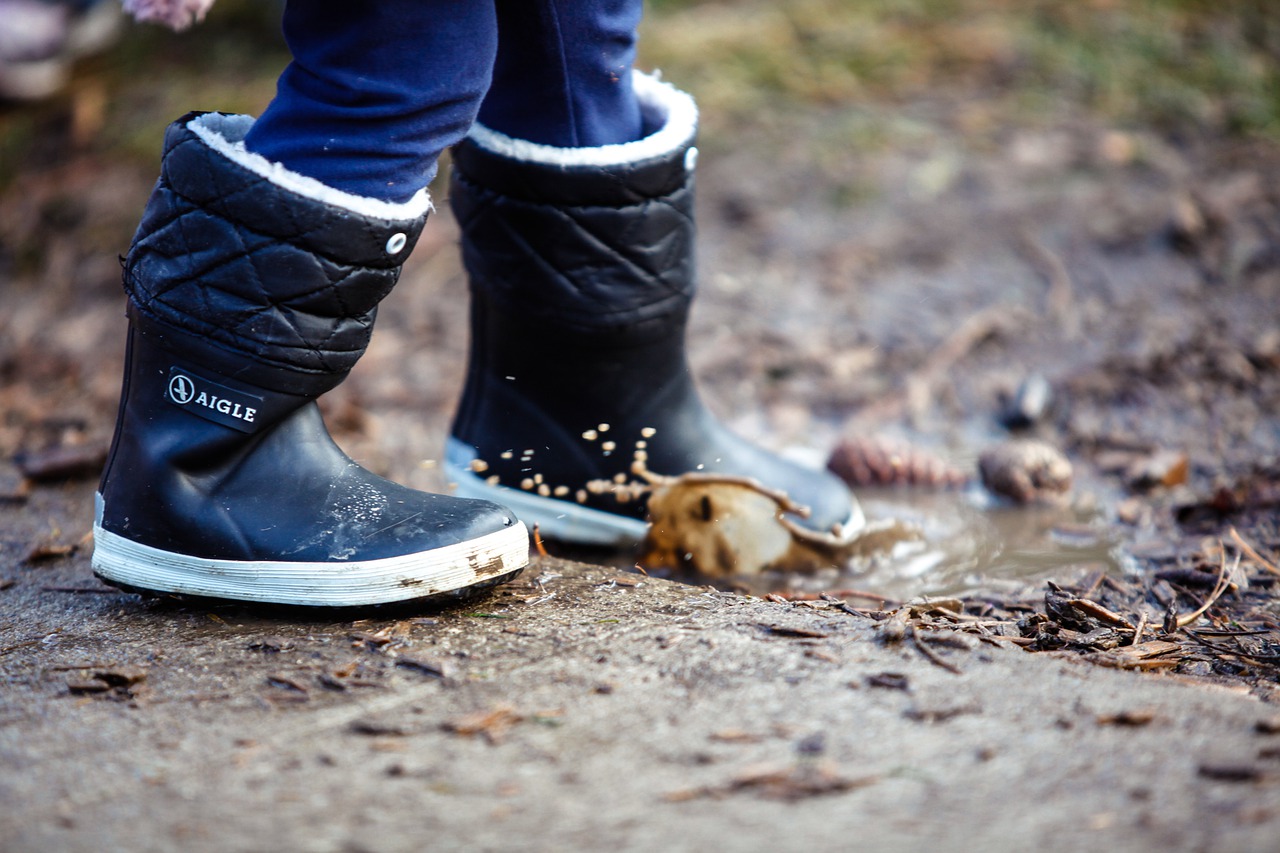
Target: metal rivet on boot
column 690, row 159
column 397, row 243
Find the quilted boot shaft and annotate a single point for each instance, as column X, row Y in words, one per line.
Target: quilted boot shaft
column 257, row 270
column 251, row 291
column 602, row 254
column 581, row 267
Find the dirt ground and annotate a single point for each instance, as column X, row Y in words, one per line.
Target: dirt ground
column 857, row 287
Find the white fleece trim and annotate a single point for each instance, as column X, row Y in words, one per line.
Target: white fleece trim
column 225, row 134
column 680, row 123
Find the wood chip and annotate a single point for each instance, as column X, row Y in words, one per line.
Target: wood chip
column 787, row 784
column 1268, row 726
column 1134, row 718
column 271, row 644
column 378, row 728
column 493, row 725
column 787, row 631
column 889, row 681
column 88, row 686
column 1232, row 772
column 121, row 676
column 286, row 683
column 433, row 668
column 735, row 736
column 45, row 551
column 64, row 462
column 368, row 640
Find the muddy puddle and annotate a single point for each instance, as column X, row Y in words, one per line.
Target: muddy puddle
column 968, row 545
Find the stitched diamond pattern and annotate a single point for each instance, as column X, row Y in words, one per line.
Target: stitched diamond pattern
column 589, row 268
column 285, row 280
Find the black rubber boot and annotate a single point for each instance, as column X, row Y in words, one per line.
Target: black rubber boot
column 252, row 290
column 581, row 270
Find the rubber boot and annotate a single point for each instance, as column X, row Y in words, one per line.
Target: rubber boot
column 581, row 272
column 252, row 290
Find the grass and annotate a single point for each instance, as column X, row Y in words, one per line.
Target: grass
column 1178, row 66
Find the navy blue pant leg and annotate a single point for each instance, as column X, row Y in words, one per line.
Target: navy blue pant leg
column 378, row 89
column 563, row 72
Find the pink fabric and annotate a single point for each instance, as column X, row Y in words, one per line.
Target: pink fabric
column 178, row 14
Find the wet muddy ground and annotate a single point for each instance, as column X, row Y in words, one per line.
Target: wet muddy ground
column 903, row 293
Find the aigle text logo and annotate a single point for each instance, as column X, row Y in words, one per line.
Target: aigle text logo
column 212, row 401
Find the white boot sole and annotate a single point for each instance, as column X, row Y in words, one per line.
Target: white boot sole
column 118, row 560
column 559, row 519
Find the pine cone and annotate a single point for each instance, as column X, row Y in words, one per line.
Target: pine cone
column 879, row 461
column 1027, row 471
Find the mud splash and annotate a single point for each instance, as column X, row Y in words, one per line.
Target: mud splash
column 969, row 545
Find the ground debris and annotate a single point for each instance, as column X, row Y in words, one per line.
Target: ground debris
column 49, row 549
column 795, row 632
column 1132, row 718
column 940, row 715
column 1240, row 643
column 433, row 668
column 735, row 736
column 894, row 628
column 81, row 686
column 367, row 640
column 1030, row 403
column 1107, row 621
column 493, row 725
column 111, row 682
column 284, row 682
column 930, row 654
column 1256, row 491
column 1268, row 726
column 1232, row 772
column 1027, row 471
column 379, row 728
column 787, row 784
column 1161, row 469
column 344, row 677
column 889, row 681
column 271, row 645
column 879, row 461
column 18, row 495
column 62, row 462
column 121, row 676
column 1080, row 613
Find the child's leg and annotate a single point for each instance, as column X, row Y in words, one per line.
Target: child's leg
column 575, row 199
column 253, row 281
column 376, row 91
column 563, row 73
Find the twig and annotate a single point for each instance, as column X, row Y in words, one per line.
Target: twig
column 973, row 330
column 1252, row 554
column 537, row 542
column 23, row 645
column 930, row 654
column 1060, row 297
column 1138, row 631
column 1236, row 652
column 1218, row 589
